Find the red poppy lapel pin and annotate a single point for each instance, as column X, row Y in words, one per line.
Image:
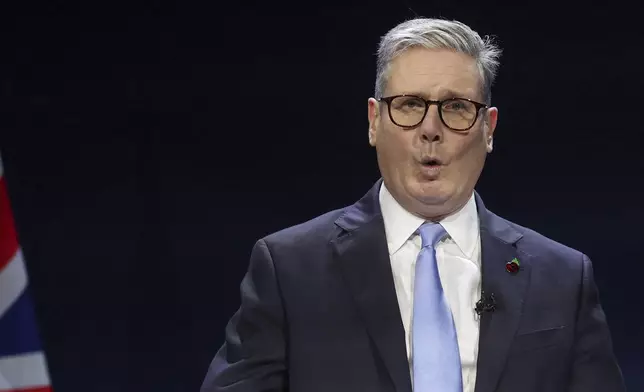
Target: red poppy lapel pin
column 513, row 266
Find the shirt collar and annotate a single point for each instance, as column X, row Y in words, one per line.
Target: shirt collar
column 400, row 224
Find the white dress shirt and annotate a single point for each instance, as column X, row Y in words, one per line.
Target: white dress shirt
column 459, row 266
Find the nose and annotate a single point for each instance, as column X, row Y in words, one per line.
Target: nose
column 431, row 129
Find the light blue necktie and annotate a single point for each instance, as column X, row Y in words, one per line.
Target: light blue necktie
column 435, row 354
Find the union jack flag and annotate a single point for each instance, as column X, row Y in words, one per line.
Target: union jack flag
column 23, row 367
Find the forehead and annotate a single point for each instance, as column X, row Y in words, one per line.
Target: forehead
column 434, row 73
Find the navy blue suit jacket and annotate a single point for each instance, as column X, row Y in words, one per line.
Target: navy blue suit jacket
column 319, row 313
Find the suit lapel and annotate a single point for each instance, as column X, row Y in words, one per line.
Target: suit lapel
column 362, row 255
column 498, row 328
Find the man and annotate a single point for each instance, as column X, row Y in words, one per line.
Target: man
column 418, row 285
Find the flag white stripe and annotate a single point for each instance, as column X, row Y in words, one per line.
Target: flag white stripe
column 23, row 371
column 13, row 281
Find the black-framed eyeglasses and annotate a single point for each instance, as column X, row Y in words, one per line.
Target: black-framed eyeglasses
column 408, row 111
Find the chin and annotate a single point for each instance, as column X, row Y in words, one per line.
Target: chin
column 438, row 186
column 432, row 192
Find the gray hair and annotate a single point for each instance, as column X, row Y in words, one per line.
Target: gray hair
column 438, row 34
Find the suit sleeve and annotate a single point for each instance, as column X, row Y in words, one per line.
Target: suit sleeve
column 594, row 366
column 252, row 358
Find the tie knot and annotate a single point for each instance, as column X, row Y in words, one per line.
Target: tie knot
column 431, row 233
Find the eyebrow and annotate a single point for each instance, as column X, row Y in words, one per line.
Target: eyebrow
column 445, row 94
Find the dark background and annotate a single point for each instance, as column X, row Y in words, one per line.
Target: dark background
column 147, row 146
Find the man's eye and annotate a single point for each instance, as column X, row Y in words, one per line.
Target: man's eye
column 454, row 106
column 412, row 104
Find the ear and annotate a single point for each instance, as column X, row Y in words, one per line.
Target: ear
column 491, row 118
column 374, row 120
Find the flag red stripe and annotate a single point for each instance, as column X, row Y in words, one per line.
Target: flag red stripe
column 8, row 238
column 36, row 389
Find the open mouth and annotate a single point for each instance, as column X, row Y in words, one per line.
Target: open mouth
column 431, row 162
column 431, row 168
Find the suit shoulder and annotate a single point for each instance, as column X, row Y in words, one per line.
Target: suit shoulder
column 316, row 229
column 539, row 245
